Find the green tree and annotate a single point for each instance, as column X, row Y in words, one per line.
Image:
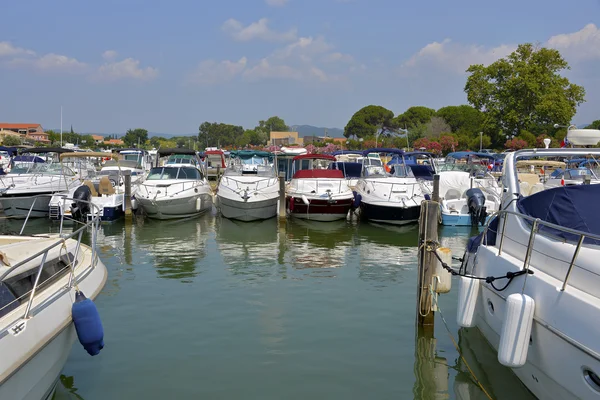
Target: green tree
column 369, row 120
column 53, row 136
column 134, row 136
column 462, row 118
column 11, row 140
column 414, row 116
column 523, row 91
column 594, row 125
column 273, row 124
column 211, row 134
column 155, row 141
column 435, row 127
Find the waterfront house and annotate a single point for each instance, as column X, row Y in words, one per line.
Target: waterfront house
column 285, row 138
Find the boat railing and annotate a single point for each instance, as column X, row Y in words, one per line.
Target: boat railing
column 178, row 187
column 242, row 185
column 93, row 223
column 328, row 184
column 536, row 223
column 396, row 186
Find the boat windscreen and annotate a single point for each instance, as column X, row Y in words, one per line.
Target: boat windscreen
column 167, row 173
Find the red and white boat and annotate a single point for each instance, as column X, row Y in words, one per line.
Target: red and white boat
column 317, row 192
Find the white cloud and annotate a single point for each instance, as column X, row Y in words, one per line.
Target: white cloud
column 276, row 3
column 456, row 57
column 126, row 69
column 582, row 45
column 7, row 49
column 109, row 55
column 265, row 70
column 58, row 62
column 256, row 30
column 212, row 72
column 338, row 57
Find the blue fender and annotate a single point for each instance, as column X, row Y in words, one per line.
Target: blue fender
column 87, row 324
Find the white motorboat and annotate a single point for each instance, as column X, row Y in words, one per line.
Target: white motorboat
column 27, row 191
column 135, row 159
column 392, row 198
column 541, row 319
column 178, row 189
column 249, row 189
column 105, row 193
column 40, row 277
column 317, row 192
column 285, row 157
column 214, row 162
column 350, row 163
column 465, row 200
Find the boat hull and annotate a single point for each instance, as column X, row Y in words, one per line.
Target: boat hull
column 173, row 208
column 247, row 210
column 458, row 219
column 319, row 209
column 390, row 214
column 18, row 206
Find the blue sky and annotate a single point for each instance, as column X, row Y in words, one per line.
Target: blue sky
column 168, row 66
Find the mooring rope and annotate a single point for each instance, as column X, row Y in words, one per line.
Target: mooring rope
column 477, row 381
column 432, row 246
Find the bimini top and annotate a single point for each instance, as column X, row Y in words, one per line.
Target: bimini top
column 131, row 150
column 85, row 154
column 168, row 152
column 314, row 157
column 571, row 207
column 382, row 150
column 341, row 152
column 247, row 154
column 48, row 150
column 459, row 155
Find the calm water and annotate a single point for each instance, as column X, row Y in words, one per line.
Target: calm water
column 215, row 309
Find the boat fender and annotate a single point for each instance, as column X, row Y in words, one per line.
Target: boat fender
column 516, row 330
column 468, row 293
column 444, row 281
column 134, row 203
column 198, row 204
column 305, row 200
column 87, row 324
column 357, row 199
column 427, row 196
column 292, row 204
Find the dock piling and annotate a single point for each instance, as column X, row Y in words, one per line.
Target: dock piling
column 127, row 197
column 435, row 196
column 428, row 233
column 281, row 212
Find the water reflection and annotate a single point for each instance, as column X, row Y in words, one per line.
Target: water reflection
column 65, row 389
column 499, row 381
column 176, row 245
column 248, row 248
column 386, row 251
column 318, row 247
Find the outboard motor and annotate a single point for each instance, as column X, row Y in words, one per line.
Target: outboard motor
column 476, row 203
column 81, row 206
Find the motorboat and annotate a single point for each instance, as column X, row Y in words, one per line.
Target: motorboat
column 40, row 277
column 392, row 198
column 27, row 190
column 350, row 163
column 178, row 189
column 464, row 201
column 214, row 163
column 139, row 161
column 104, row 193
column 284, row 160
column 317, row 192
column 540, row 312
column 249, row 189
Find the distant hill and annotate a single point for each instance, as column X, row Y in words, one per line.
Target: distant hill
column 309, row 130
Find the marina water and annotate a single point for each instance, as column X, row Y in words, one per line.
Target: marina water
column 216, row 309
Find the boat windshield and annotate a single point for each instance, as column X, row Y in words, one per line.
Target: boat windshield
column 42, row 168
column 401, row 171
column 182, row 159
column 168, row 173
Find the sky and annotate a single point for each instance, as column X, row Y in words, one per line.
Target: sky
column 168, row 66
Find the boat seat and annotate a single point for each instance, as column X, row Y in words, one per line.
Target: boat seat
column 538, row 187
column 105, row 187
column 531, row 179
column 525, row 188
column 452, row 194
column 92, row 188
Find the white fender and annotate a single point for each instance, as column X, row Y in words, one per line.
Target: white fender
column 444, row 284
column 198, row 204
column 305, row 200
column 468, row 293
column 516, row 330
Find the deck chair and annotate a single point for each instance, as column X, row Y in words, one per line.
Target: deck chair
column 92, row 188
column 105, row 187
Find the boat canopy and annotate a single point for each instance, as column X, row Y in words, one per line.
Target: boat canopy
column 460, row 155
column 350, row 169
column 314, row 157
column 540, row 163
column 572, row 207
column 47, row 150
column 247, row 154
column 86, row 154
column 11, row 150
column 382, row 150
column 342, row 152
column 28, row 159
column 168, row 152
